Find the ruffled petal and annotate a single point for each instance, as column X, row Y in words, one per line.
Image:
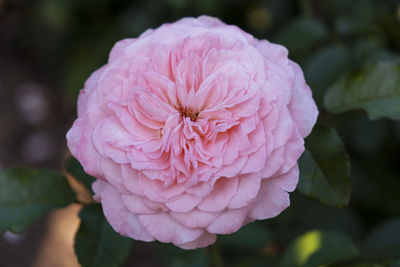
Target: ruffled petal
column 219, row 198
column 273, row 196
column 165, row 229
column 121, row 219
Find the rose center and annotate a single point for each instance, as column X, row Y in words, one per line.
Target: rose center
column 188, row 113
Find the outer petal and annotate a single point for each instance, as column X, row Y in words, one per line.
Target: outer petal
column 204, row 240
column 195, row 218
column 184, row 203
column 119, row 48
column 224, row 190
column 136, row 205
column 248, row 187
column 229, row 221
column 302, row 107
column 80, row 144
column 165, row 229
column 121, row 219
column 273, row 197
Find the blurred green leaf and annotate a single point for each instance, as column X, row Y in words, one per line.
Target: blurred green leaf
column 370, row 265
column 175, row 257
column 324, row 67
column 374, row 88
column 316, row 248
column 324, row 168
column 383, row 243
column 252, row 236
column 27, row 194
column 96, row 243
column 301, row 34
column 396, row 263
column 75, row 169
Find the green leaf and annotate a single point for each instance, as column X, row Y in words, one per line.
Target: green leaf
column 396, row 263
column 383, row 243
column 320, row 75
column 172, row 256
column 253, row 236
column 75, row 169
column 319, row 247
column 324, row 168
column 27, row 194
column 301, row 34
column 370, row 265
column 374, row 88
column 96, row 243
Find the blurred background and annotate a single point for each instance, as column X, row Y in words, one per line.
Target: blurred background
column 49, row 47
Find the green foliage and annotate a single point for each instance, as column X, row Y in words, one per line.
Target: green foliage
column 172, row 256
column 318, row 76
column 75, row 168
column 27, row 194
column 96, row 243
column 374, row 88
column 253, row 236
column 324, row 168
column 396, row 263
column 383, row 243
column 317, row 248
column 301, row 34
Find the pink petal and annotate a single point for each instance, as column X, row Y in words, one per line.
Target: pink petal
column 165, row 229
column 219, row 198
column 146, row 186
column 256, row 161
column 184, row 203
column 123, row 221
column 201, row 190
column 167, row 192
column 229, row 221
column 81, row 147
column 90, row 85
column 232, row 169
column 273, row 196
column 130, row 179
column 135, row 204
column 194, row 218
column 248, row 187
column 204, row 240
column 98, row 187
column 284, row 128
column 302, row 107
column 113, row 174
column 293, row 150
column 109, row 139
column 119, row 48
column 274, row 162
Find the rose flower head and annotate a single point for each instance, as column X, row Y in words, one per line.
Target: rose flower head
column 192, row 129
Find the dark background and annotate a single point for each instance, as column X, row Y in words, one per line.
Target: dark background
column 49, row 47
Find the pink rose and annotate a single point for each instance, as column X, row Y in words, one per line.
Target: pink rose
column 193, row 129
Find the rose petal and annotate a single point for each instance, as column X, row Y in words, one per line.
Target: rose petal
column 273, row 196
column 302, row 107
column 184, row 203
column 136, row 205
column 247, row 190
column 204, row 240
column 123, row 221
column 228, row 221
column 165, row 229
column 224, row 190
column 195, row 218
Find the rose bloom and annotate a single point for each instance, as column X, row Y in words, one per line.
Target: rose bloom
column 193, row 129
